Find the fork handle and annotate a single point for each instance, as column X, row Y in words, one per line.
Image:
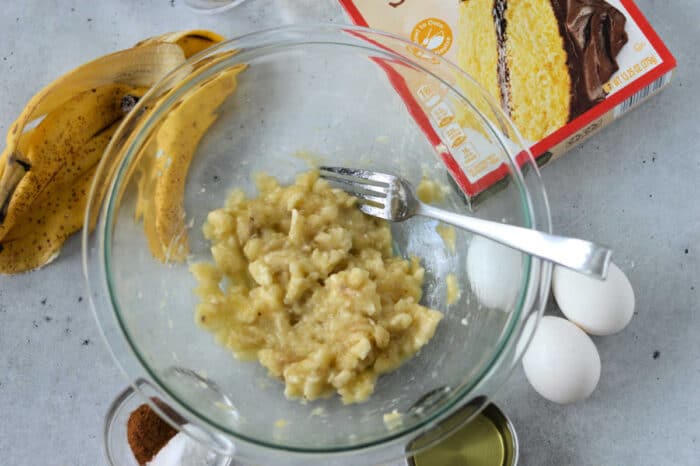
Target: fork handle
column 576, row 254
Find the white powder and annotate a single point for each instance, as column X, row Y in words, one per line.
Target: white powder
column 181, row 450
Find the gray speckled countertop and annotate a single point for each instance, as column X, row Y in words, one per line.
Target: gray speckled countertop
column 634, row 186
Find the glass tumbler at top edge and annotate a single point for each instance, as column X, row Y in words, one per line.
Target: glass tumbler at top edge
column 212, row 6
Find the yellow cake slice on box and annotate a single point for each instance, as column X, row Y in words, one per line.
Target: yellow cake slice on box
column 544, row 61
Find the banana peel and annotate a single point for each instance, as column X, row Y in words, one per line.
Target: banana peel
column 63, row 151
column 46, row 172
column 163, row 171
column 190, row 42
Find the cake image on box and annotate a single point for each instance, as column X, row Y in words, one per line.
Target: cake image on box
column 544, row 61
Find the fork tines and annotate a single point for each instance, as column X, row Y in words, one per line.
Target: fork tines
column 366, row 185
column 370, row 177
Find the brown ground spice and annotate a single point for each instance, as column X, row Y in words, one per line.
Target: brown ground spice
column 147, row 433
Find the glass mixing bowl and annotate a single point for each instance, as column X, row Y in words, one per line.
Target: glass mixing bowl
column 328, row 94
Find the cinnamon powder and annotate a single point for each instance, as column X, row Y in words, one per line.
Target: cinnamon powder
column 147, row 433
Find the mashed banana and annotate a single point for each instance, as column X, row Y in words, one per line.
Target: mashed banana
column 430, row 191
column 308, row 285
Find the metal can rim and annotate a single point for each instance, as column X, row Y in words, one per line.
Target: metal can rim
column 496, row 415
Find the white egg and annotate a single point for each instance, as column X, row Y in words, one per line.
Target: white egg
column 598, row 307
column 562, row 364
column 495, row 273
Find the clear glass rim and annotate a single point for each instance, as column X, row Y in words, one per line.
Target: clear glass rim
column 531, row 278
column 193, row 5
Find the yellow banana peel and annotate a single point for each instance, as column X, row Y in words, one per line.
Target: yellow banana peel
column 46, row 172
column 163, row 171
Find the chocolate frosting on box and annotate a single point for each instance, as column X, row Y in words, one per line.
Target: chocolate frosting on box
column 593, row 33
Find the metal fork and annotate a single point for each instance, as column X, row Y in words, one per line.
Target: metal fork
column 392, row 198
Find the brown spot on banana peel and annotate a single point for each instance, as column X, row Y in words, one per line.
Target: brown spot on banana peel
column 128, row 103
column 108, row 126
column 14, row 170
column 22, row 163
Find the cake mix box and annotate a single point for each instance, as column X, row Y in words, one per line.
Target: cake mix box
column 560, row 69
